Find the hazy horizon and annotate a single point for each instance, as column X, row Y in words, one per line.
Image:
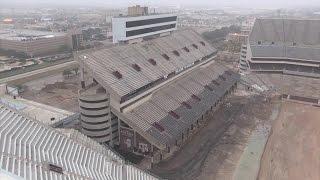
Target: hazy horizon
column 177, row 3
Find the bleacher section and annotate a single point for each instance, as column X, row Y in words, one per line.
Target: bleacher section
column 172, row 110
column 285, row 45
column 151, row 96
column 34, row 151
column 156, row 60
column 286, row 69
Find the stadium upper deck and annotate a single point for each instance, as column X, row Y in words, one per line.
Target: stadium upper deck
column 126, row 70
column 285, row 45
column 32, row 150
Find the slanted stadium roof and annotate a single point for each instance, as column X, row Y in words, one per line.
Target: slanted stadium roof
column 285, row 45
column 286, row 39
column 173, row 108
column 32, row 150
column 149, row 57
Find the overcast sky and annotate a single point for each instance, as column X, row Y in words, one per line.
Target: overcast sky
column 207, row 3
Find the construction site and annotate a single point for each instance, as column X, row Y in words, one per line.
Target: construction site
column 168, row 105
column 58, row 90
column 216, row 151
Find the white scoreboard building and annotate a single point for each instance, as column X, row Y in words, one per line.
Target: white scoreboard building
column 126, row 28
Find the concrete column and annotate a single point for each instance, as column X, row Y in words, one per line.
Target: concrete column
column 110, row 130
column 82, row 77
column 135, row 140
column 124, row 172
column 95, row 114
column 119, row 133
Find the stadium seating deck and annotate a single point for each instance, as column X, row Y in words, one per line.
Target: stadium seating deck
column 32, row 150
column 178, row 105
column 103, row 63
column 295, row 44
column 165, row 114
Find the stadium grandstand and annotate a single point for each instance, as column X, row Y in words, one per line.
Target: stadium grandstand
column 129, row 69
column 159, row 89
column 168, row 115
column 286, row 46
column 32, row 150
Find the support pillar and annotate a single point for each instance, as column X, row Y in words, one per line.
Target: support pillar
column 82, row 78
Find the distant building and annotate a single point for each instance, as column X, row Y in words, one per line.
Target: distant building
column 137, row 11
column 127, row 28
column 77, row 40
column 8, row 21
column 90, row 32
column 288, row 46
column 34, row 43
column 240, row 38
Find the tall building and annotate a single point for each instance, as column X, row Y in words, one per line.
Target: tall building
column 137, row 10
column 288, row 46
column 240, row 38
column 77, row 41
column 127, row 28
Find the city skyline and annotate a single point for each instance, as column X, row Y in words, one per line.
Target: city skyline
column 179, row 3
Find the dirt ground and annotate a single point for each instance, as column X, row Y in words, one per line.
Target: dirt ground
column 292, row 151
column 57, row 91
column 293, row 85
column 214, row 151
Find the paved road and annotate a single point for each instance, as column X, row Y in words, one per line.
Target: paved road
column 20, row 78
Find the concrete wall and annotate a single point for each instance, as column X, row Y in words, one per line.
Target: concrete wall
column 130, row 140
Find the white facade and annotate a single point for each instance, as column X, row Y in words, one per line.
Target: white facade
column 32, row 150
column 128, row 28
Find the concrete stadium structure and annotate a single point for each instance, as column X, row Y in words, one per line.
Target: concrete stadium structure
column 32, row 150
column 160, row 89
column 243, row 64
column 288, row 46
column 34, row 43
column 95, row 116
